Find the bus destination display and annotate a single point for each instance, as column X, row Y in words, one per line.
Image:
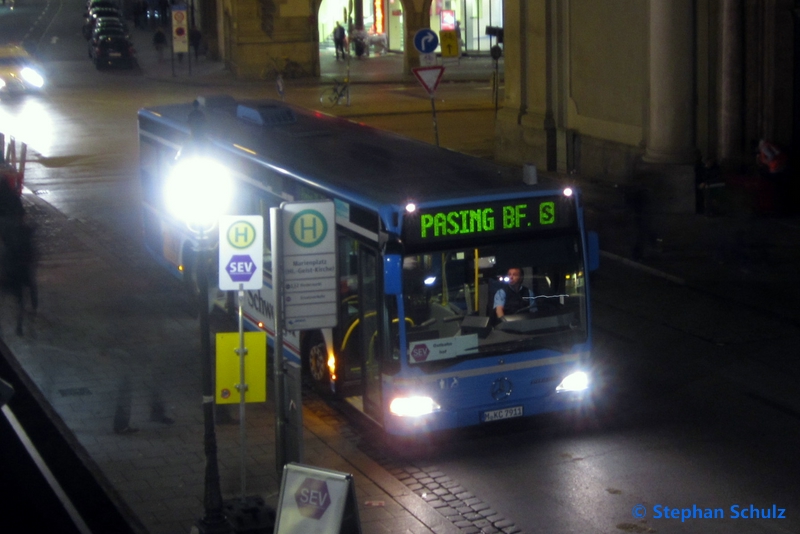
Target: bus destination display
column 491, row 218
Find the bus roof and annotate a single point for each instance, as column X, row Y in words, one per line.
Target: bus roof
column 352, row 160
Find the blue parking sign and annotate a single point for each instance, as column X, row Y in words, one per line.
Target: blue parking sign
column 426, row 41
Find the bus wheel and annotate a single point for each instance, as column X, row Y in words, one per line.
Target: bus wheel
column 317, row 355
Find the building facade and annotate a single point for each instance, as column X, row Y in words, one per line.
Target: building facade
column 618, row 88
column 255, row 35
column 633, row 88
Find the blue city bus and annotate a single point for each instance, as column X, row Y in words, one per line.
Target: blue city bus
column 425, row 238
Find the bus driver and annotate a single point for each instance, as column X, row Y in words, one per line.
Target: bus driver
column 513, row 296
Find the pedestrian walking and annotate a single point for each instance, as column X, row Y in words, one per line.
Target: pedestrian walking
column 338, row 40
column 19, row 266
column 133, row 370
column 458, row 38
column 359, row 39
column 195, row 37
column 160, row 42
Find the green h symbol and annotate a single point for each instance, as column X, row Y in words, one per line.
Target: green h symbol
column 241, row 232
column 308, row 228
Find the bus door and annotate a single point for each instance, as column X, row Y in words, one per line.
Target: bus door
column 371, row 339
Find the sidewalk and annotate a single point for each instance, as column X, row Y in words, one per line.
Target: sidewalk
column 114, row 341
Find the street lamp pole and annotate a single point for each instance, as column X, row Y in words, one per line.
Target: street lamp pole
column 213, row 521
column 197, row 192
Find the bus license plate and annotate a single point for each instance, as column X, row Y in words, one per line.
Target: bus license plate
column 503, row 413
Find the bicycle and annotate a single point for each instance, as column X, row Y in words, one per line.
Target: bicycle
column 288, row 69
column 333, row 95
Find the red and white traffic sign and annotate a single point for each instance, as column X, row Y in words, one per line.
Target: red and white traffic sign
column 429, row 77
column 180, row 36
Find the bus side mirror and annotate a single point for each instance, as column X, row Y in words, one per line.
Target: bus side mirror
column 6, row 392
column 392, row 274
column 593, row 244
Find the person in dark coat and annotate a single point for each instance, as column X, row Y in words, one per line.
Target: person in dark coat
column 19, row 266
column 194, row 40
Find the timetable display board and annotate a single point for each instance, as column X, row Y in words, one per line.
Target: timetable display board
column 488, row 219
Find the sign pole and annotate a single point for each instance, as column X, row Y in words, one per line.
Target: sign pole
column 435, row 125
column 241, row 257
column 276, row 233
column 242, row 387
column 430, row 77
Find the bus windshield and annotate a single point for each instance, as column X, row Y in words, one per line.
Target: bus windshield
column 451, row 299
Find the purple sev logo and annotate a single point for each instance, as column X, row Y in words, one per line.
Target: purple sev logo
column 241, row 268
column 312, row 498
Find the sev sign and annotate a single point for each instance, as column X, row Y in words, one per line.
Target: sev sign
column 241, row 252
column 314, row 500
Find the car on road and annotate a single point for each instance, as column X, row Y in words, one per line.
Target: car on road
column 103, row 31
column 96, row 14
column 100, row 3
column 113, row 51
column 19, row 73
column 111, row 21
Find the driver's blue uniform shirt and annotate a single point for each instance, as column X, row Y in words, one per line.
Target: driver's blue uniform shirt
column 524, row 294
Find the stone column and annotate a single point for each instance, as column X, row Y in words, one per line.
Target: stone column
column 731, row 121
column 414, row 19
column 671, row 136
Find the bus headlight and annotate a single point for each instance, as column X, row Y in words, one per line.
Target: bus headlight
column 577, row 381
column 413, row 406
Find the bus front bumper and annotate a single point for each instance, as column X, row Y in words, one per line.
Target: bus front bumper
column 561, row 400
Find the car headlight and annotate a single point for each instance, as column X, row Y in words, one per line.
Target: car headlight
column 2, row 83
column 32, row 77
column 577, row 381
column 413, row 406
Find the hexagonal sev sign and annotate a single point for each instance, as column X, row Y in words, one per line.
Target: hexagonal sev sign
column 312, row 498
column 241, row 268
column 420, row 352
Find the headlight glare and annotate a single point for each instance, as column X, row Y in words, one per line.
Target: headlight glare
column 413, row 406
column 577, row 381
column 32, row 77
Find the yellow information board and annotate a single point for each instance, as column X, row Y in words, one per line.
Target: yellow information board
column 255, row 367
column 448, row 41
